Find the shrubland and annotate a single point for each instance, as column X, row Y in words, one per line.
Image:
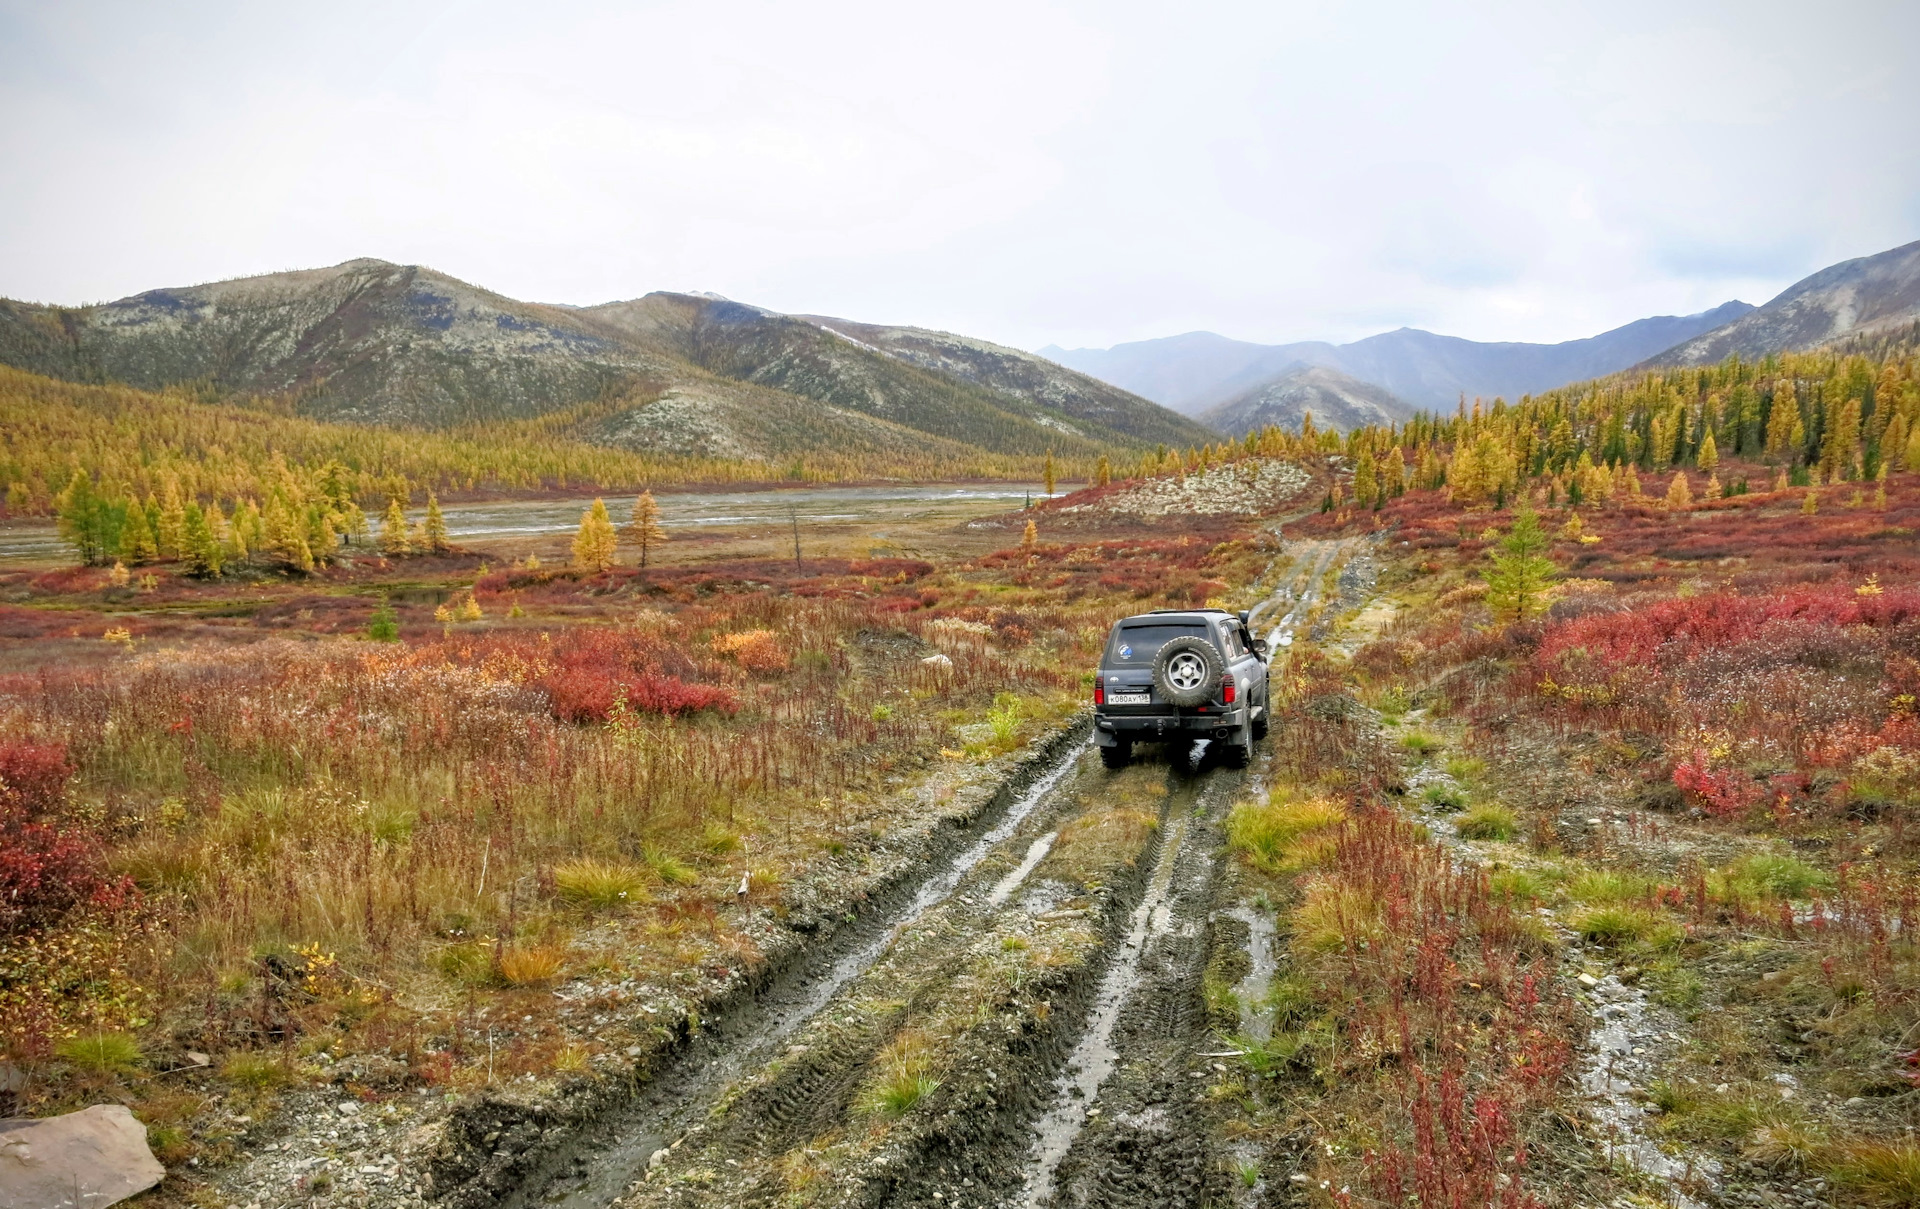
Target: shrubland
column 363, row 818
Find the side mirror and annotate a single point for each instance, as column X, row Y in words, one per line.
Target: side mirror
column 1261, row 648
column 1245, row 616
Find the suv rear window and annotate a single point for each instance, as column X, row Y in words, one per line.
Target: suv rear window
column 1136, row 645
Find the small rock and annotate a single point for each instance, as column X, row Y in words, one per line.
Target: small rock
column 656, row 1158
column 1589, row 981
column 943, row 663
column 349, row 1108
column 198, row 1059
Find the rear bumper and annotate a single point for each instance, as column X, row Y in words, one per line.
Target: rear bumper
column 1112, row 729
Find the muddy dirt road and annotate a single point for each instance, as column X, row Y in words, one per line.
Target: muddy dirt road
column 1027, row 1029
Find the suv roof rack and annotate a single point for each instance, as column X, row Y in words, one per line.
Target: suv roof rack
column 1209, row 609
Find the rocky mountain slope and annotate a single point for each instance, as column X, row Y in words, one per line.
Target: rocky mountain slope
column 949, row 386
column 1199, row 371
column 365, row 341
column 1336, row 400
column 370, row 342
column 1853, row 298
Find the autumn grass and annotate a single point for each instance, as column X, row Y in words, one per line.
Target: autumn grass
column 531, row 965
column 1276, row 835
column 600, row 884
column 1488, row 821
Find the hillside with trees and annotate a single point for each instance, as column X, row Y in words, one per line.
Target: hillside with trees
column 401, row 346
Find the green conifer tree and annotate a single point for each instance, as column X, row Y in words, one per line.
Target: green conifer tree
column 385, row 626
column 200, row 547
column 1521, row 574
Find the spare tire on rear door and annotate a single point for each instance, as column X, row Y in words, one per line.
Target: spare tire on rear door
column 1187, row 671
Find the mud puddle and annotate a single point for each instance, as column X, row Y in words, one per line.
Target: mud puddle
column 663, row 1111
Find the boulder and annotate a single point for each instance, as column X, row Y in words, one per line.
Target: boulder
column 83, row 1160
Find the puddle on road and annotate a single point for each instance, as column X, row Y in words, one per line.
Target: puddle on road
column 1251, row 991
column 1094, row 1058
column 1036, row 852
column 677, row 1103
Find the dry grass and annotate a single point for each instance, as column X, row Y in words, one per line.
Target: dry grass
column 600, row 884
column 531, row 965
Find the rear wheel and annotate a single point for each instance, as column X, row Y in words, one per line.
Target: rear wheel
column 1236, row 755
column 1118, row 755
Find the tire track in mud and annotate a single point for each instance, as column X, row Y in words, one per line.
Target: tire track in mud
column 745, row 1117
column 1125, row 1126
column 987, row 990
column 1119, row 1130
column 1128, row 1125
column 604, row 1166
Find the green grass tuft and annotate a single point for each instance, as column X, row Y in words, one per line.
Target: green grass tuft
column 1422, row 743
column 1613, row 925
column 100, row 1053
column 1488, row 822
column 1605, row 886
column 1270, row 832
column 669, row 868
column 251, row 1068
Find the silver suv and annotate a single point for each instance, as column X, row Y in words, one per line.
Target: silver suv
column 1174, row 674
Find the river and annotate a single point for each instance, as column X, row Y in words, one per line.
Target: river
column 480, row 524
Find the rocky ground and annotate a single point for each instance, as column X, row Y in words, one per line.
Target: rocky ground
column 1250, row 487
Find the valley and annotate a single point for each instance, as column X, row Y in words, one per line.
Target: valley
column 521, row 851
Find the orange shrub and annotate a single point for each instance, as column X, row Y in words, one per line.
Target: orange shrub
column 754, row 650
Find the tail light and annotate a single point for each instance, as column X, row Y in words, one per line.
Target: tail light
column 1227, row 689
column 1099, row 690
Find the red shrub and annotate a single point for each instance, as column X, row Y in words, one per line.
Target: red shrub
column 587, row 694
column 44, row 869
column 33, row 776
column 1718, row 791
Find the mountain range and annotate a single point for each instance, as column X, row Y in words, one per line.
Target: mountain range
column 1198, row 372
column 1224, row 382
column 373, row 343
column 369, row 342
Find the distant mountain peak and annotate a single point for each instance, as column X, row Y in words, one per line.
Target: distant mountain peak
column 1335, row 399
column 1855, row 297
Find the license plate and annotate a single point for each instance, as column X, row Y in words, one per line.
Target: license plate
column 1127, row 698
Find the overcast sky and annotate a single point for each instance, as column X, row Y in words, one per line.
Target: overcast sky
column 1027, row 172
